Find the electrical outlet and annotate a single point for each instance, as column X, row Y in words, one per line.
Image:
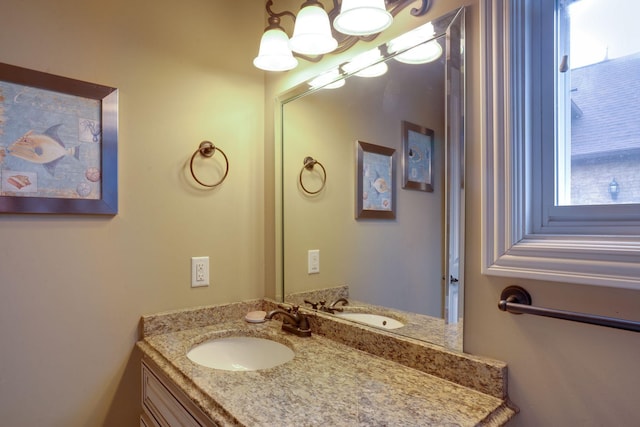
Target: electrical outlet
column 313, row 262
column 199, row 271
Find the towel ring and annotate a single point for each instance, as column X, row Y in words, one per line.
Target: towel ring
column 309, row 163
column 207, row 149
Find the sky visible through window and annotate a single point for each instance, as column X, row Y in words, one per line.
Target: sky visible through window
column 603, row 29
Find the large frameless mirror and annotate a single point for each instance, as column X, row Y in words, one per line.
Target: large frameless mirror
column 403, row 102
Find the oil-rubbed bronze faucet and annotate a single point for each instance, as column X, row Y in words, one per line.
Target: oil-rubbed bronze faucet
column 332, row 307
column 293, row 322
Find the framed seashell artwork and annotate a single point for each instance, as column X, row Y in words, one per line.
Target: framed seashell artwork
column 58, row 144
column 375, row 181
column 417, row 157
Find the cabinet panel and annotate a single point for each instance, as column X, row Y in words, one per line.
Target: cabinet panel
column 145, row 421
column 165, row 408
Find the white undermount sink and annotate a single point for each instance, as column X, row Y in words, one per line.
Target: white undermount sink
column 376, row 320
column 240, row 353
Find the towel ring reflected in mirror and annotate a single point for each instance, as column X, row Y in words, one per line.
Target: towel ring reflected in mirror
column 208, row 149
column 309, row 163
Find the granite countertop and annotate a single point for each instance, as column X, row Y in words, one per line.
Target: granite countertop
column 418, row 326
column 327, row 382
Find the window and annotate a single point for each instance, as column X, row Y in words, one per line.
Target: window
column 553, row 190
column 598, row 140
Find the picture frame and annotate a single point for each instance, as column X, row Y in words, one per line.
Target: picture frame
column 375, row 181
column 58, row 144
column 417, row 157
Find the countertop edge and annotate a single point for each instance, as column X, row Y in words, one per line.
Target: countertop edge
column 501, row 415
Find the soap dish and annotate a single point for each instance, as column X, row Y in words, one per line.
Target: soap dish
column 255, row 316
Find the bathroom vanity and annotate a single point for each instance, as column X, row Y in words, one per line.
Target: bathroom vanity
column 345, row 374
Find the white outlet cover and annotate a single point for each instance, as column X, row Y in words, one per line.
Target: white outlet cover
column 199, row 271
column 313, row 264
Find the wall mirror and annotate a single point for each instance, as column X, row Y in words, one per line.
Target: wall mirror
column 407, row 267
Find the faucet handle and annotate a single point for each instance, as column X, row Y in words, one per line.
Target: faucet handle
column 313, row 305
column 294, row 309
column 285, row 308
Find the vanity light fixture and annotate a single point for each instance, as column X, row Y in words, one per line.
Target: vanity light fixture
column 423, row 53
column 362, row 17
column 275, row 54
column 312, row 31
column 352, row 20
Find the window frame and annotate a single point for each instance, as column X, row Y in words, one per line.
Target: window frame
column 523, row 236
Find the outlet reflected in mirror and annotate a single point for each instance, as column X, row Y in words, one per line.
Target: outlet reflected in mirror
column 407, row 267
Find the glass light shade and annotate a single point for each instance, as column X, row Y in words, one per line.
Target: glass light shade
column 362, row 17
column 312, row 32
column 421, row 53
column 274, row 53
column 327, row 80
column 366, row 64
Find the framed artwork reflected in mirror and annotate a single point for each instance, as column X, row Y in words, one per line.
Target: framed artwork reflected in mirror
column 375, row 175
column 417, row 157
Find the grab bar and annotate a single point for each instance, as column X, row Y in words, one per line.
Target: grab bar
column 517, row 300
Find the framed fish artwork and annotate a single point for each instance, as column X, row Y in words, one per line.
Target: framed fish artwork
column 58, row 144
column 375, row 177
column 417, row 157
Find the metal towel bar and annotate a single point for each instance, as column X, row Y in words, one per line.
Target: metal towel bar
column 517, row 300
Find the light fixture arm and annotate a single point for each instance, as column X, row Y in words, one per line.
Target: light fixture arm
column 272, row 14
column 345, row 42
column 426, row 5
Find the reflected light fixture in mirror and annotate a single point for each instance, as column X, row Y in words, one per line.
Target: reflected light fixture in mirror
column 367, row 64
column 312, row 35
column 328, row 80
column 362, row 17
column 420, row 54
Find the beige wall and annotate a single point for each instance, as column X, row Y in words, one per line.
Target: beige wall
column 72, row 288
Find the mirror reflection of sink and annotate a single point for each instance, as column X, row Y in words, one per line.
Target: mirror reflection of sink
column 240, row 353
column 376, row 320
